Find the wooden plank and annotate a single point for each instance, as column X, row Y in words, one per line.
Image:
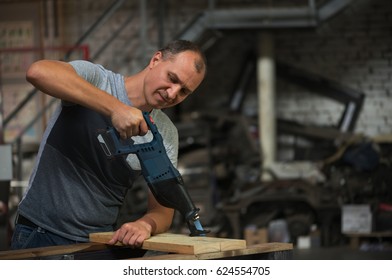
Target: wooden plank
column 224, row 243
column 102, row 237
column 215, row 244
column 92, row 247
column 181, row 244
column 50, row 251
column 251, row 250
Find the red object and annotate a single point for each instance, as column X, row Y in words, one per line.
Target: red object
column 385, row 207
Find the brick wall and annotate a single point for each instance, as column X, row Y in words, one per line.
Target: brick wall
column 354, row 48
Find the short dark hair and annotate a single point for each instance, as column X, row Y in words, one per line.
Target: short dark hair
column 178, row 46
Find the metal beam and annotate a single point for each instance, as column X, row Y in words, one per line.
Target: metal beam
column 331, row 8
column 297, row 17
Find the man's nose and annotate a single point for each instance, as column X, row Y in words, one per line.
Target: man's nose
column 174, row 90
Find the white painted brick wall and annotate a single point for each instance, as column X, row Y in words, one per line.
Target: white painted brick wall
column 353, row 48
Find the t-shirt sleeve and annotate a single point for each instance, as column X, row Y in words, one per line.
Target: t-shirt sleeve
column 93, row 73
column 170, row 135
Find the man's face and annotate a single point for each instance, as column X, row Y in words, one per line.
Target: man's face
column 171, row 81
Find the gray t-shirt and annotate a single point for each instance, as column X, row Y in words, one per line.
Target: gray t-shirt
column 74, row 188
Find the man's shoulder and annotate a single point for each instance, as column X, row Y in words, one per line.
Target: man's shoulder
column 164, row 123
column 88, row 70
column 83, row 64
column 161, row 117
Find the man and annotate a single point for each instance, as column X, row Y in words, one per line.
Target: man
column 74, row 189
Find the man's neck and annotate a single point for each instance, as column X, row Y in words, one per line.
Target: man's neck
column 133, row 86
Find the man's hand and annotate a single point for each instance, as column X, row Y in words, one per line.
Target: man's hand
column 132, row 234
column 129, row 121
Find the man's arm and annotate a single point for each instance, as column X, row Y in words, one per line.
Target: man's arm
column 60, row 80
column 158, row 219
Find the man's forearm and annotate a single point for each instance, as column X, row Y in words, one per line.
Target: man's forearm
column 159, row 217
column 159, row 221
column 60, row 80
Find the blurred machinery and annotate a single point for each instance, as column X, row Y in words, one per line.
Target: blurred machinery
column 220, row 162
column 221, row 165
column 223, row 177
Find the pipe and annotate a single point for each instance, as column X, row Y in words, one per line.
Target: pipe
column 266, row 93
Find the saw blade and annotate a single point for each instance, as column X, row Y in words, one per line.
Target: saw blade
column 199, row 227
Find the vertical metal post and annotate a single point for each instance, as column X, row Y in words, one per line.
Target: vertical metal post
column 266, row 97
column 5, row 183
column 5, row 178
column 1, row 109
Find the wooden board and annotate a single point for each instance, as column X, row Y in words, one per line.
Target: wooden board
column 41, row 252
column 277, row 250
column 269, row 249
column 180, row 244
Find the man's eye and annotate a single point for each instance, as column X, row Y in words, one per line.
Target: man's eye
column 185, row 92
column 172, row 78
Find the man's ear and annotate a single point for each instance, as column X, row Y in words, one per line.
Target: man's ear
column 157, row 57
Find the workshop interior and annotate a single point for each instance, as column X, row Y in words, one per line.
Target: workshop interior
column 288, row 139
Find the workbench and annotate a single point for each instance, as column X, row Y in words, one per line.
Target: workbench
column 165, row 246
column 379, row 236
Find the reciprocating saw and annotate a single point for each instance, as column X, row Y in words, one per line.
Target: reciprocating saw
column 163, row 179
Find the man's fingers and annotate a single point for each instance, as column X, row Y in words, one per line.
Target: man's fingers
column 131, row 239
column 135, row 240
column 114, row 238
column 131, row 234
column 123, row 135
column 139, row 241
column 143, row 128
column 129, row 121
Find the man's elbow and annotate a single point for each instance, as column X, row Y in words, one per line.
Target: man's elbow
column 42, row 71
column 35, row 73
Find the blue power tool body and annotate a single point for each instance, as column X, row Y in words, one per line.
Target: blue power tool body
column 163, row 179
